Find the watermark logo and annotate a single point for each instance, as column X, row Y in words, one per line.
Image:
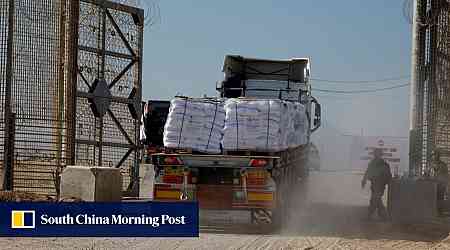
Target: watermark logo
column 21, row 219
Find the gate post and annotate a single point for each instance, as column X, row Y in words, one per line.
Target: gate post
column 8, row 166
column 7, row 157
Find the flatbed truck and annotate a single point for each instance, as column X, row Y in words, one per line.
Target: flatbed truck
column 263, row 183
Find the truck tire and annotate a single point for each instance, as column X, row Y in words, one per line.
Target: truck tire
column 280, row 213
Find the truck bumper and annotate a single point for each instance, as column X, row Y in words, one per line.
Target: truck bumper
column 223, row 197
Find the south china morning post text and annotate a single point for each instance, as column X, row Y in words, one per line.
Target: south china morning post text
column 90, row 219
column 85, row 219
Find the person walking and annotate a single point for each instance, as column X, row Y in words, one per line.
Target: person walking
column 379, row 174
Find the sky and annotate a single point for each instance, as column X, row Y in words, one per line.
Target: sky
column 346, row 40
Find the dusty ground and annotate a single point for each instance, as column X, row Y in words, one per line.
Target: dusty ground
column 333, row 220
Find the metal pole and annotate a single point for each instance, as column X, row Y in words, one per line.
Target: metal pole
column 72, row 74
column 9, row 76
column 61, row 83
column 415, row 52
column 413, row 147
column 138, row 87
column 8, row 181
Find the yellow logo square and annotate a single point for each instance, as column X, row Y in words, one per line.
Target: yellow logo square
column 22, row 219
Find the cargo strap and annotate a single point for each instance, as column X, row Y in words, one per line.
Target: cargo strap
column 237, row 127
column 212, row 126
column 268, row 124
column 182, row 122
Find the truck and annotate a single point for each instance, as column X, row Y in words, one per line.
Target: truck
column 261, row 183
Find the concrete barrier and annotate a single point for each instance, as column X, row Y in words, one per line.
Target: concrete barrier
column 412, row 201
column 146, row 180
column 91, row 183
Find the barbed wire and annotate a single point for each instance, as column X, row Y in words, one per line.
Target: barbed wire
column 408, row 10
column 408, row 14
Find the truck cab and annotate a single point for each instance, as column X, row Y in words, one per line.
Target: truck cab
column 270, row 79
column 154, row 115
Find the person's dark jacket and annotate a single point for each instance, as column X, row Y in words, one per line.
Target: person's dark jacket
column 378, row 173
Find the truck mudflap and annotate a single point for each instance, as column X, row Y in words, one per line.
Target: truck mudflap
column 218, row 196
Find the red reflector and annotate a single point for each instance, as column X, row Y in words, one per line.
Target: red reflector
column 258, row 163
column 172, row 161
column 152, row 150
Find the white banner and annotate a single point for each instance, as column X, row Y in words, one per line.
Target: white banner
column 395, row 152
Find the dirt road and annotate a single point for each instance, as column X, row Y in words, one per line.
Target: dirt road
column 333, row 220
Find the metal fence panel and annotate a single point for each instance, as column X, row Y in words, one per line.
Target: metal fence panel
column 432, row 69
column 37, row 94
column 60, row 51
column 109, row 87
column 4, row 6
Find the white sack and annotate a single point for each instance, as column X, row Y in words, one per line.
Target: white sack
column 195, row 124
column 267, row 125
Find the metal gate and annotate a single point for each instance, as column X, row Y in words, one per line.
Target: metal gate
column 70, row 89
column 32, row 97
column 109, row 87
column 4, row 8
column 431, row 85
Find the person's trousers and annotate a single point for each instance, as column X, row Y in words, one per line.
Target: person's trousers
column 376, row 204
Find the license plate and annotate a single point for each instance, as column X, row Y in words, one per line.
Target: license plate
column 225, row 216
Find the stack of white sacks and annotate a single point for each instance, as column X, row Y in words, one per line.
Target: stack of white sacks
column 298, row 126
column 264, row 125
column 195, row 124
column 205, row 125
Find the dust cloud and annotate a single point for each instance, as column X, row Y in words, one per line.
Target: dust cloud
column 331, row 202
column 334, row 204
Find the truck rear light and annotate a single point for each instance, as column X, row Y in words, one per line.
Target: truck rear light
column 258, row 163
column 172, row 179
column 167, row 194
column 151, row 150
column 257, row 177
column 172, row 160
